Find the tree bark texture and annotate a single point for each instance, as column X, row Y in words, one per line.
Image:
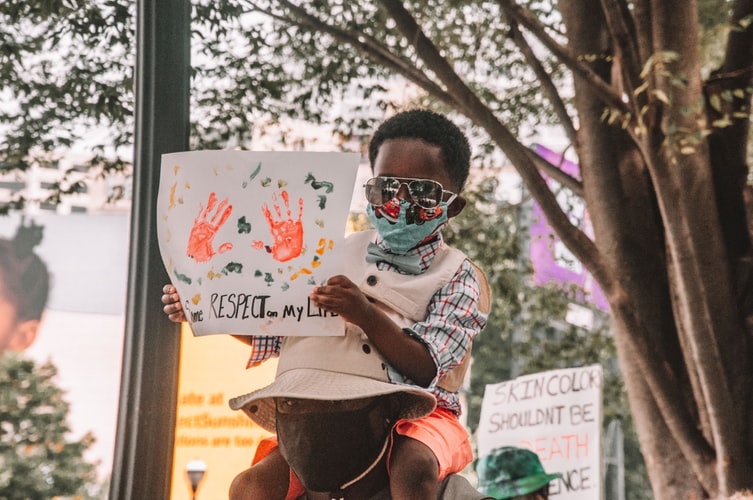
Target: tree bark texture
column 652, row 197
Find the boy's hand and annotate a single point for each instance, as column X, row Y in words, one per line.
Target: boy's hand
column 407, row 354
column 173, row 307
column 342, row 297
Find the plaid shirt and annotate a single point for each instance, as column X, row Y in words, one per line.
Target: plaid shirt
column 453, row 320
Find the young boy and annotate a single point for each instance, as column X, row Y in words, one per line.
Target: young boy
column 419, row 302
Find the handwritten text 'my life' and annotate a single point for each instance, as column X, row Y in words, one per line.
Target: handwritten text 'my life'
column 245, row 306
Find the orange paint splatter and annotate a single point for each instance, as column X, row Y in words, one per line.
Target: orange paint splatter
column 172, row 195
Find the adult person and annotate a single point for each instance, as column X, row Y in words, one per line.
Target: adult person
column 24, row 288
column 334, row 411
column 513, row 473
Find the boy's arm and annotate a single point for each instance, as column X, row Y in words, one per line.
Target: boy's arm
column 456, row 314
column 405, row 353
column 263, row 347
column 246, row 339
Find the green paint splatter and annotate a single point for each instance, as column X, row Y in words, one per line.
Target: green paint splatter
column 255, row 172
column 182, row 277
column 285, row 286
column 244, row 227
column 312, row 281
column 232, row 267
column 268, row 279
column 252, row 176
column 257, row 274
column 322, row 201
column 266, row 182
column 328, row 186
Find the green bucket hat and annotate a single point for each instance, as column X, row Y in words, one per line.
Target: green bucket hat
column 508, row 472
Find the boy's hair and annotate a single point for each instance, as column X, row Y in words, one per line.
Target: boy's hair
column 432, row 128
column 24, row 278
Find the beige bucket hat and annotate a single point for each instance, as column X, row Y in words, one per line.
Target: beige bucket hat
column 331, row 369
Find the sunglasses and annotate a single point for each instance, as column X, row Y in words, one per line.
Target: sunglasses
column 425, row 193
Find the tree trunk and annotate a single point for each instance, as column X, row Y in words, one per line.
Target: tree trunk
column 658, row 229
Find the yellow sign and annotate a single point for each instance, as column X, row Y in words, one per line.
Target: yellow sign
column 208, row 434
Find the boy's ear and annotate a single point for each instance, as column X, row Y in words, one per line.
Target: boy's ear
column 24, row 336
column 457, row 206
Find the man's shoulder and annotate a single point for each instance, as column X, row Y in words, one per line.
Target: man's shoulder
column 456, row 487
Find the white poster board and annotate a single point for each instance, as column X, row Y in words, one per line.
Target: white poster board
column 557, row 414
column 245, row 236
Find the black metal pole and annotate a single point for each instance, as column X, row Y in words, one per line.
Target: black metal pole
column 142, row 464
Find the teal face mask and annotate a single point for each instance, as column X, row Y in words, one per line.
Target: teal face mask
column 403, row 225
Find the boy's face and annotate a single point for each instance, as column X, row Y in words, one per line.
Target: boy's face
column 415, row 159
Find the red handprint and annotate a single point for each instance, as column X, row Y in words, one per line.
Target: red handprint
column 201, row 240
column 286, row 233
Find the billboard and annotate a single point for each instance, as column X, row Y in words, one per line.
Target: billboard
column 551, row 260
column 81, row 328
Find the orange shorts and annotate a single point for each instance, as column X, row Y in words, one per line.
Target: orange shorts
column 440, row 430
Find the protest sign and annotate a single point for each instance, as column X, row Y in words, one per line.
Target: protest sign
column 245, row 236
column 557, row 414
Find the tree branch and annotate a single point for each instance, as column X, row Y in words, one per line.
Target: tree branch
column 622, row 32
column 365, row 44
column 546, row 83
column 605, row 92
column 559, row 175
column 406, row 24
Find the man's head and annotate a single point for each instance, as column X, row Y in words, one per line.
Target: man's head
column 332, row 444
column 513, row 473
column 24, row 288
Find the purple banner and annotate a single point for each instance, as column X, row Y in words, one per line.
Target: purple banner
column 551, row 260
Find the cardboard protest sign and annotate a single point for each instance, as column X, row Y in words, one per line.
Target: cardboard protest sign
column 245, row 235
column 557, row 414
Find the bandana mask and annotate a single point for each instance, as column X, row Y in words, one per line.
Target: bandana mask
column 403, row 225
column 330, row 451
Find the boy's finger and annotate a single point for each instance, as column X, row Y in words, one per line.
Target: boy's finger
column 338, row 279
column 169, row 298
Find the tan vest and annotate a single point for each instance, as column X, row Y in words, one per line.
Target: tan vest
column 405, row 298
